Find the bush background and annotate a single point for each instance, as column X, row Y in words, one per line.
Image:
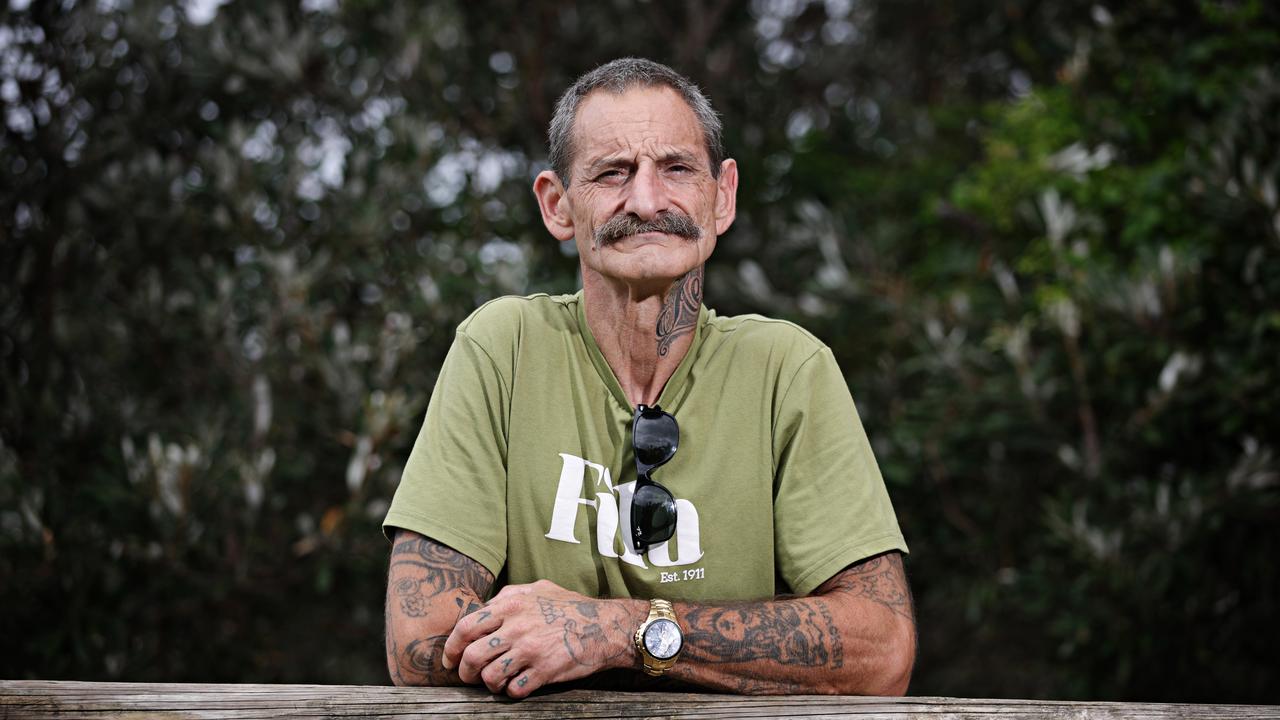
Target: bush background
column 1042, row 238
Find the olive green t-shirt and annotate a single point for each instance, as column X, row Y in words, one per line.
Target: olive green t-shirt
column 524, row 462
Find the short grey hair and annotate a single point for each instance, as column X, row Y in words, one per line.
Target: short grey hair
column 617, row 77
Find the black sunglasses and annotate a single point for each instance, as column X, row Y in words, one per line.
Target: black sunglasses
column 654, row 438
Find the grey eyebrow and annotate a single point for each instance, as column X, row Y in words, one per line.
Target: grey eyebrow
column 678, row 157
column 605, row 163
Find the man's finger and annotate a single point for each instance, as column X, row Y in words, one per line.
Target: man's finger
column 479, row 654
column 469, row 628
column 500, row 671
column 523, row 683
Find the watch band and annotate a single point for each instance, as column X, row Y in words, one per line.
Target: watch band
column 659, row 610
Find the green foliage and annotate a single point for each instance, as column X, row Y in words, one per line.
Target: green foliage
column 1116, row 300
column 1043, row 240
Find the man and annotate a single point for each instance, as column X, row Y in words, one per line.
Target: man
column 558, row 424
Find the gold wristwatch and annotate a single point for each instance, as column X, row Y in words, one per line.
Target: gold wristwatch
column 659, row 638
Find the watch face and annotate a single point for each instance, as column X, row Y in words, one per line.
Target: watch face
column 663, row 639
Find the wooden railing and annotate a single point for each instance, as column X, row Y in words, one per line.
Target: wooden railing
column 41, row 699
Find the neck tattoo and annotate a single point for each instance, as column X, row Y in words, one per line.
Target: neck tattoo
column 679, row 310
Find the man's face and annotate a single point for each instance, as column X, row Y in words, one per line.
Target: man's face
column 642, row 204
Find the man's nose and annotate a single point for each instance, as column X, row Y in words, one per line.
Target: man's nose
column 647, row 195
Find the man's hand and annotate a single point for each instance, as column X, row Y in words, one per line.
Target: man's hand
column 532, row 635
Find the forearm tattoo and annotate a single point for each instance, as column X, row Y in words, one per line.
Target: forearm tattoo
column 680, row 308
column 421, row 570
column 881, row 579
column 445, row 568
column 796, row 632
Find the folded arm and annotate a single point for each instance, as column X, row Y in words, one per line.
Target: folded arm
column 853, row 635
column 430, row 587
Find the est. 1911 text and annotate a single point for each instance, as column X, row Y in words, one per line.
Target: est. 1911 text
column 682, row 575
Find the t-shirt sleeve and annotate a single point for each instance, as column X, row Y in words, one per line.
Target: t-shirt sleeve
column 453, row 489
column 831, row 508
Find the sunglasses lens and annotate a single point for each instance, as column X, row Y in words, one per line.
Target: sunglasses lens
column 656, row 437
column 653, row 514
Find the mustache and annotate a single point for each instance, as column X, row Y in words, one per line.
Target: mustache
column 625, row 225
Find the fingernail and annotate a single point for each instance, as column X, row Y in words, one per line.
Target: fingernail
column 445, row 662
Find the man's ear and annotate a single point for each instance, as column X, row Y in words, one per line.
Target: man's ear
column 726, row 195
column 554, row 204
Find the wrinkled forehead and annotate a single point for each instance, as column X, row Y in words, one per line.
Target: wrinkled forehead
column 639, row 119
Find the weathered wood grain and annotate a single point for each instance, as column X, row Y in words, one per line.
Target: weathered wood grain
column 52, row 699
